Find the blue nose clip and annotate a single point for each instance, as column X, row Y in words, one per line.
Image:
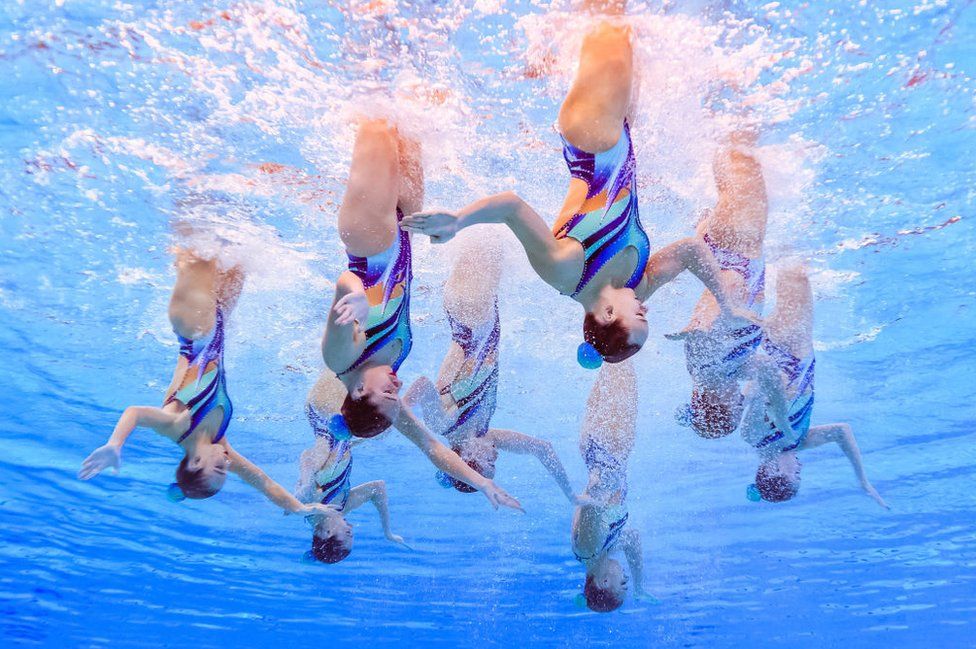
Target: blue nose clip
column 174, row 494
column 683, row 415
column 338, row 427
column 443, row 479
column 752, row 493
column 588, row 356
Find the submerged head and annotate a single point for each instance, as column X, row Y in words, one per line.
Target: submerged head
column 715, row 411
column 332, row 539
column 373, row 402
column 202, row 473
column 479, row 454
column 778, row 478
column 617, row 324
column 606, row 587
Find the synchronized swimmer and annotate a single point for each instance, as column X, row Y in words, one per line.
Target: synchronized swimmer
column 749, row 374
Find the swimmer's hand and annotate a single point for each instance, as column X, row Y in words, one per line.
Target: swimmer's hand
column 351, row 307
column 396, row 538
column 103, row 457
column 735, row 317
column 643, row 596
column 682, row 335
column 313, row 512
column 871, row 491
column 439, row 226
column 498, row 496
column 583, row 500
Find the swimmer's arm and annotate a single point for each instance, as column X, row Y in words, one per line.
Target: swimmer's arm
column 341, row 341
column 109, row 455
column 514, row 442
column 843, row 436
column 506, row 208
column 586, row 522
column 174, row 383
column 424, row 393
column 631, row 542
column 374, row 492
column 690, row 254
column 449, row 462
column 771, row 384
column 305, row 489
column 254, row 476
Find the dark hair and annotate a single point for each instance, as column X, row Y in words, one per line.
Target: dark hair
column 195, row 483
column 363, row 418
column 611, row 340
column 713, row 417
column 461, row 486
column 329, row 549
column 601, row 600
column 773, row 487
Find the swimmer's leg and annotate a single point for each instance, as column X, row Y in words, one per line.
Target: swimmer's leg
column 791, row 323
column 410, row 197
column 367, row 216
column 472, row 288
column 592, row 115
column 193, row 303
column 738, row 221
column 611, row 410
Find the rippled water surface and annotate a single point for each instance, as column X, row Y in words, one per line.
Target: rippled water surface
column 116, row 116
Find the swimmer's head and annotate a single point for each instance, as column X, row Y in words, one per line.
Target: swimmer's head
column 203, row 473
column 479, row 454
column 617, row 324
column 606, row 587
column 332, row 539
column 373, row 402
column 715, row 412
column 778, row 478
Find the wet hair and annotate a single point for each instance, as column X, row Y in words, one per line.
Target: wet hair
column 713, row 418
column 611, row 340
column 363, row 417
column 601, row 600
column 195, row 483
column 329, row 549
column 773, row 487
column 460, row 485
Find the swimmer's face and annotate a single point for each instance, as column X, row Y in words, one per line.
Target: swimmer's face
column 621, row 305
column 612, row 577
column 382, row 387
column 786, row 465
column 214, row 461
column 336, row 527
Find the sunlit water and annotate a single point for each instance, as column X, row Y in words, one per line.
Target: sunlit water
column 117, row 116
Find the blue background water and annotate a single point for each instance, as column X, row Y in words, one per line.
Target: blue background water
column 85, row 276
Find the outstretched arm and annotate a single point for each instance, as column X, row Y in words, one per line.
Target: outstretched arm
column 843, row 436
column 631, row 542
column 506, row 208
column 109, row 455
column 374, row 492
column 341, row 343
column 448, row 461
column 254, row 476
column 691, row 254
column 514, row 442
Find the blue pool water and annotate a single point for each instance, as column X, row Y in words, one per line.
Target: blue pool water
column 115, row 116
